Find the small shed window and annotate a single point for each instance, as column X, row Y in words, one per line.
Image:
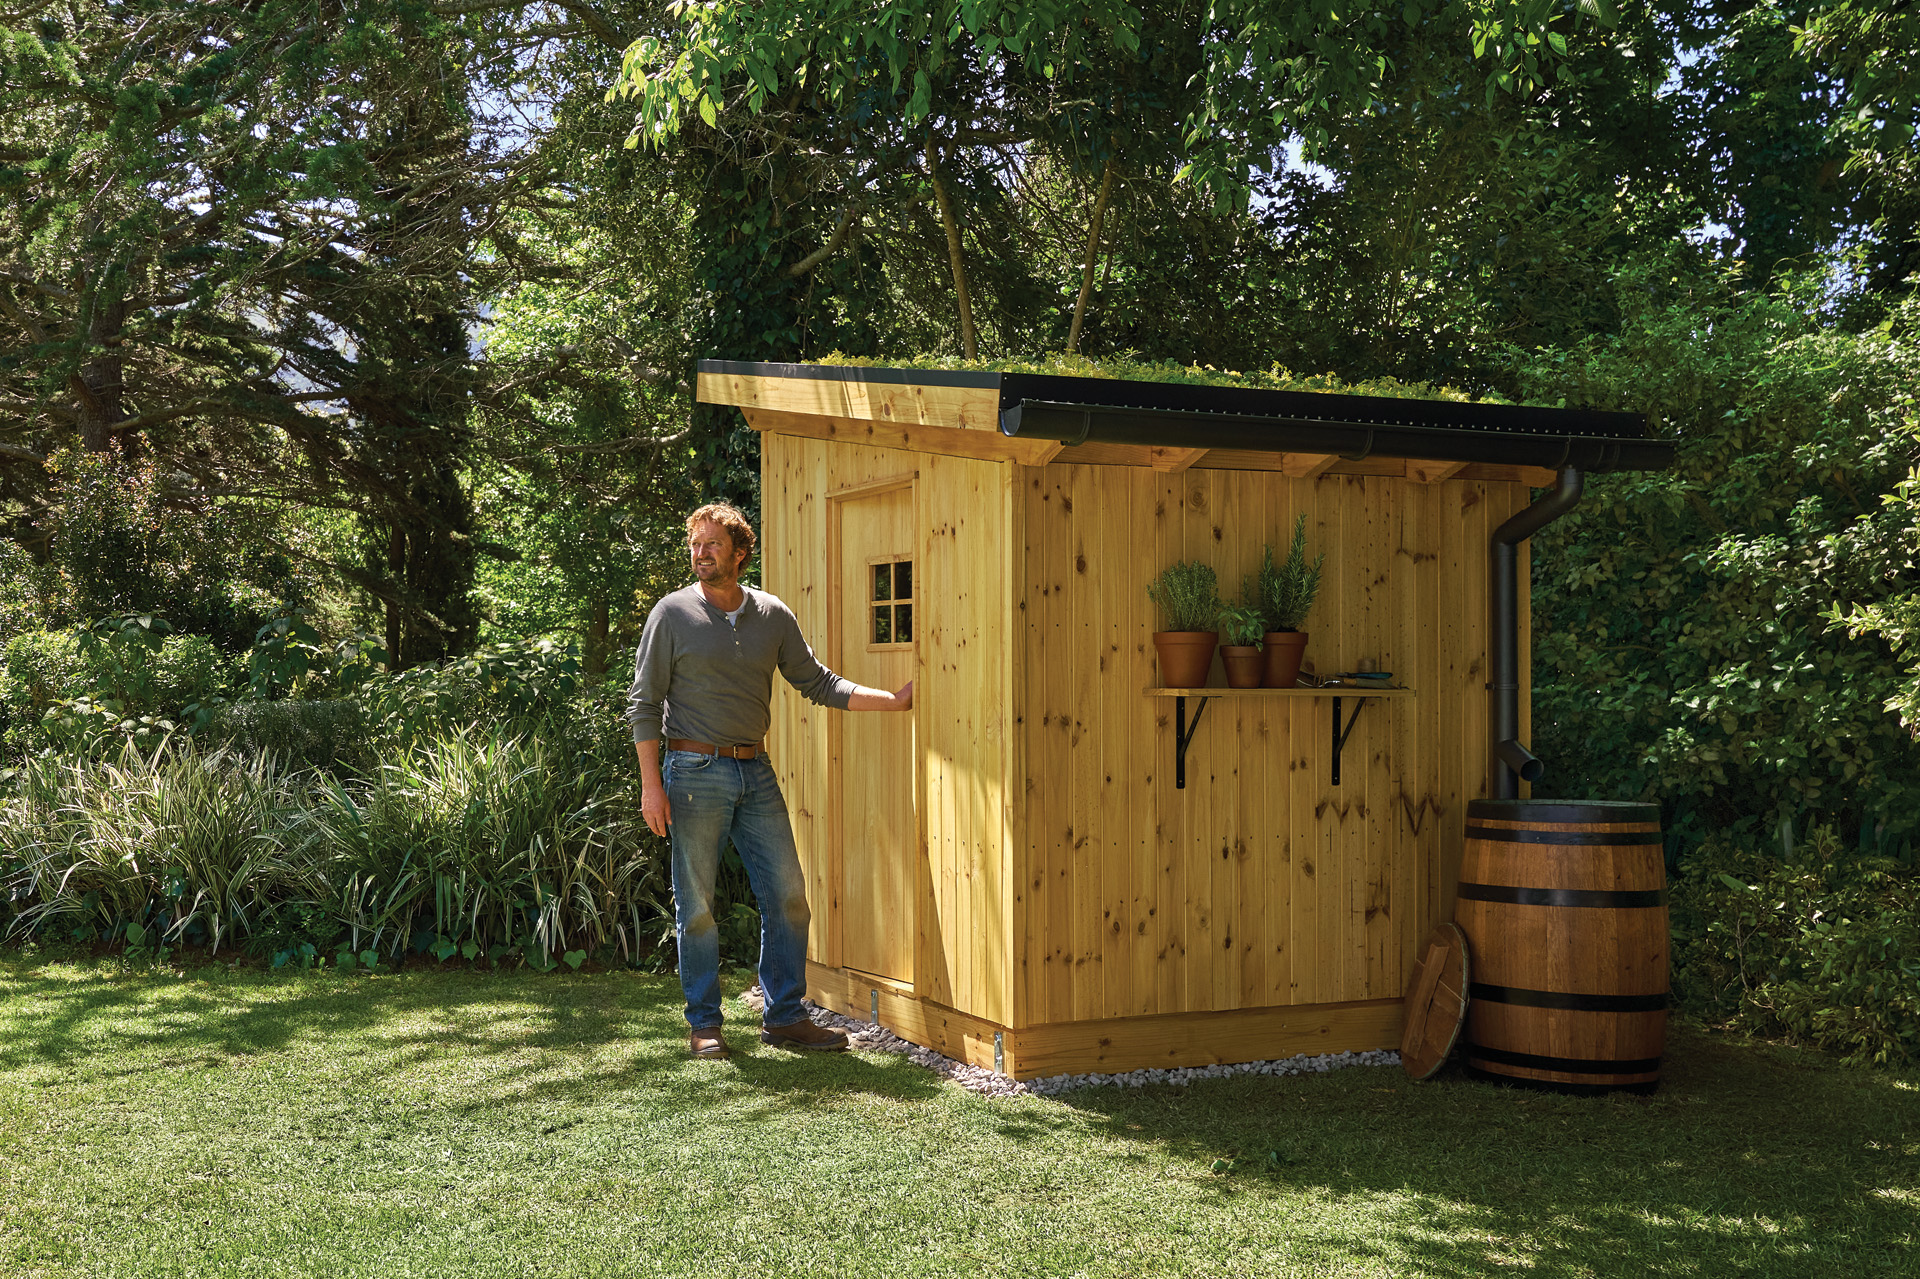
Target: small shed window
column 890, row 606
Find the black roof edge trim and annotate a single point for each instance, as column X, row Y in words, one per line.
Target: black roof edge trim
column 1324, row 406
column 854, row 373
column 1066, row 422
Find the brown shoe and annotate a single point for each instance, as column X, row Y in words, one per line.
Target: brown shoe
column 804, row 1034
column 705, row 1044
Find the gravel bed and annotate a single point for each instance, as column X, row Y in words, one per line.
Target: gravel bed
column 868, row 1037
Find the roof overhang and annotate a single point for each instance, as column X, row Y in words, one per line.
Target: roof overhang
column 1036, row 418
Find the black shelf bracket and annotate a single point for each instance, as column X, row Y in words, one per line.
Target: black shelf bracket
column 1340, row 735
column 1183, row 737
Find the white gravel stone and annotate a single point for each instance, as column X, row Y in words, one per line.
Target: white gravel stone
column 868, row 1037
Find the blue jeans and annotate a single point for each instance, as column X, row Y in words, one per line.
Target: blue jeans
column 713, row 800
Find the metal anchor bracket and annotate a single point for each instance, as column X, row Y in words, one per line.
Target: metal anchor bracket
column 1183, row 737
column 1340, row 735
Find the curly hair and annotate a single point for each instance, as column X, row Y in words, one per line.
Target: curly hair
column 728, row 518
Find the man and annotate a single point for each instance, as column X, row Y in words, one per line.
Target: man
column 703, row 678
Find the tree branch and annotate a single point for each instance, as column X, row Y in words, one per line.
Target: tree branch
column 848, row 216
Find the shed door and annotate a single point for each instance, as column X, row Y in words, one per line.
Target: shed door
column 878, row 596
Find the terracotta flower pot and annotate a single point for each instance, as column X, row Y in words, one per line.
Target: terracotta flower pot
column 1186, row 657
column 1284, row 651
column 1245, row 665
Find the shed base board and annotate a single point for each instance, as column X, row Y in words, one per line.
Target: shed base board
column 1116, row 1044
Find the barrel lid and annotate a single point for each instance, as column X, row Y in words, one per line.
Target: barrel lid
column 1563, row 810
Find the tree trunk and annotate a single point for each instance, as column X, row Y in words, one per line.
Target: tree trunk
column 396, row 573
column 99, row 388
column 968, row 346
column 596, row 654
column 1093, row 256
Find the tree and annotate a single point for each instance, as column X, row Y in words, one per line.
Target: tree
column 239, row 241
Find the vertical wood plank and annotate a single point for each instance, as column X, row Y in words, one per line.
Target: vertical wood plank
column 1083, row 745
column 1058, row 733
column 1258, row 761
column 1171, row 914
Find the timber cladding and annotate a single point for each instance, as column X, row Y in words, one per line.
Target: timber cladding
column 1058, row 879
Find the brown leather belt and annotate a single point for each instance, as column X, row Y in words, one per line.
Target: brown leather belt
column 729, row 752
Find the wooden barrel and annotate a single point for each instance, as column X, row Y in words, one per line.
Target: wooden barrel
column 1564, row 905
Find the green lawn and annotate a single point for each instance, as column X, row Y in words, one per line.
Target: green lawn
column 451, row 1124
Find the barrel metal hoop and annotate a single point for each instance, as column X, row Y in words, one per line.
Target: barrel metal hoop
column 1569, row 1001
column 1601, row 898
column 1565, row 1065
column 1645, row 1088
column 1590, row 838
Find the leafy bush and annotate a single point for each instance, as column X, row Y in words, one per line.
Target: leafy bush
column 1686, row 647
column 118, row 679
column 38, row 670
column 1818, row 941
column 129, row 538
column 326, row 733
column 26, row 587
column 521, row 684
column 1284, row 593
column 1188, row 594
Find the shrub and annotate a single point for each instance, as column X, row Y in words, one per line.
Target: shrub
column 482, row 842
column 1689, row 641
column 1818, row 941
column 327, row 733
column 38, row 670
column 178, row 844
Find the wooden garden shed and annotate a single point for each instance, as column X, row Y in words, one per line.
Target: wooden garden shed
column 1039, row 870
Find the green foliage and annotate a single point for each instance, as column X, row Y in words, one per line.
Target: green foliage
column 1188, row 594
column 481, row 842
column 327, row 733
column 1284, row 593
column 1242, row 626
column 1685, row 647
column 26, row 591
column 517, row 684
column 38, row 669
column 177, row 844
column 129, row 539
column 1134, row 369
column 117, row 679
column 1814, row 940
column 1262, row 75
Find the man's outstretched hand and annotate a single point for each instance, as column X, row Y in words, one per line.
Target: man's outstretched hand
column 875, row 699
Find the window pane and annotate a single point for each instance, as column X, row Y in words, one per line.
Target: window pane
column 903, row 580
column 903, row 623
column 881, row 583
column 883, row 624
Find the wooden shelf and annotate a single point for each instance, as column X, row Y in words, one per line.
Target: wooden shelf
column 1183, row 732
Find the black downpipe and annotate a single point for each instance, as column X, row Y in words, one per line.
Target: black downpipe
column 1517, row 763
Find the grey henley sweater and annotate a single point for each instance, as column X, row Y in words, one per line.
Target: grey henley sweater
column 697, row 677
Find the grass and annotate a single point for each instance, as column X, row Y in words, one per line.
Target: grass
column 239, row 1122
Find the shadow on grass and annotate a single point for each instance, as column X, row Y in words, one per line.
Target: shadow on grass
column 1750, row 1159
column 102, row 1022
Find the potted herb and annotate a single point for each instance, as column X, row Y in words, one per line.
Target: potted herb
column 1189, row 598
column 1241, row 626
column 1284, row 593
